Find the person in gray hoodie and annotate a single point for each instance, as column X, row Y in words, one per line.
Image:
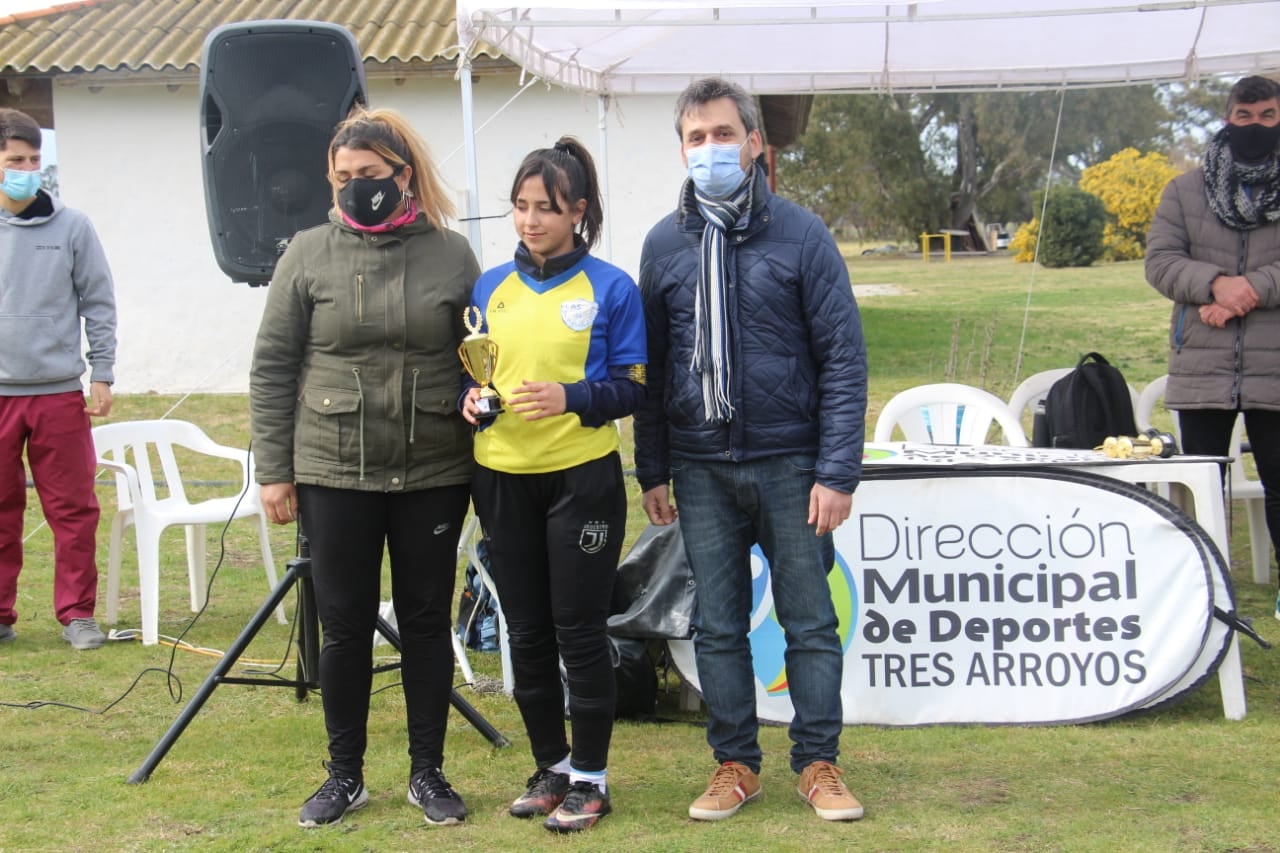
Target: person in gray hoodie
column 53, row 277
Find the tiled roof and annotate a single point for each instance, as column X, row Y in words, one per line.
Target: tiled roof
column 167, row 35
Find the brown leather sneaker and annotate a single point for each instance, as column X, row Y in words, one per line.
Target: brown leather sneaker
column 821, row 788
column 731, row 786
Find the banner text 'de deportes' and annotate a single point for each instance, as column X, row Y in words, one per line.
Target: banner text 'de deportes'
column 989, row 597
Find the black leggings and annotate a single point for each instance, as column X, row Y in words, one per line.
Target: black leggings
column 346, row 530
column 1208, row 432
column 554, row 540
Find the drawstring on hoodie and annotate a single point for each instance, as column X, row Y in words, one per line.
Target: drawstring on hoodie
column 413, row 405
column 360, row 392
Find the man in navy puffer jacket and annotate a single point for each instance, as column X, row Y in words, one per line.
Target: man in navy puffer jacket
column 758, row 390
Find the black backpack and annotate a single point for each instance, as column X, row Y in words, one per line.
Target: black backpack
column 1085, row 406
column 637, row 679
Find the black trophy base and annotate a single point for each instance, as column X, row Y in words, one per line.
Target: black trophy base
column 488, row 406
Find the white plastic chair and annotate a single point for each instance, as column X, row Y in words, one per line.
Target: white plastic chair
column 1033, row 390
column 948, row 413
column 1151, row 397
column 130, row 449
column 469, row 544
column 1245, row 488
column 1143, row 414
column 466, row 546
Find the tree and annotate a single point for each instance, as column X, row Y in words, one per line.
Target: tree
column 1129, row 185
column 1073, row 237
column 1197, row 112
column 1001, row 142
column 899, row 164
column 860, row 164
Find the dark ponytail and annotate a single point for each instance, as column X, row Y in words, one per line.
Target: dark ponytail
column 567, row 173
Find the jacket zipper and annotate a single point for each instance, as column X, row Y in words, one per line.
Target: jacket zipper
column 359, row 297
column 413, row 405
column 360, row 391
column 1238, row 374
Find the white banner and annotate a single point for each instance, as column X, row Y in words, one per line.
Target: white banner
column 987, row 596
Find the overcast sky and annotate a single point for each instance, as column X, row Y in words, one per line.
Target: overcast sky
column 7, row 6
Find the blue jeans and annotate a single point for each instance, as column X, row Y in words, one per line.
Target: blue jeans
column 725, row 507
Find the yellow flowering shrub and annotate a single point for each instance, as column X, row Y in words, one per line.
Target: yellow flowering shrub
column 1023, row 244
column 1129, row 185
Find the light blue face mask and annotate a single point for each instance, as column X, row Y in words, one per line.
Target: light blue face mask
column 716, row 170
column 19, row 185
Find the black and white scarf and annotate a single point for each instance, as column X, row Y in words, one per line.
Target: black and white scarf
column 1225, row 183
column 711, row 344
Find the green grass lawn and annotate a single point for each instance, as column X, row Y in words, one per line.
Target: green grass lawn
column 1182, row 778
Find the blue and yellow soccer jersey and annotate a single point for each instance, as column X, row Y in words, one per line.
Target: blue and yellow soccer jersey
column 571, row 327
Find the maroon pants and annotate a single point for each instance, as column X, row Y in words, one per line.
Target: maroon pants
column 55, row 430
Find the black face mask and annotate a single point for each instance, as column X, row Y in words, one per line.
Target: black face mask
column 1252, row 143
column 370, row 201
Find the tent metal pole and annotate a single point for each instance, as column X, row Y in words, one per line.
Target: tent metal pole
column 469, row 146
column 602, row 112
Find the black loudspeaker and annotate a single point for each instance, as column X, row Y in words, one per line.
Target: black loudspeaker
column 271, row 93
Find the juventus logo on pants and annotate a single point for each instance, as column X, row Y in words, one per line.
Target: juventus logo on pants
column 594, row 536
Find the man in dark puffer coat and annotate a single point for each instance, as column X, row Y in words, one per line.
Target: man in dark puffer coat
column 1214, row 250
column 757, row 398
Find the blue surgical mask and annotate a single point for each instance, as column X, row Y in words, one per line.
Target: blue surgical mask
column 716, row 170
column 19, row 185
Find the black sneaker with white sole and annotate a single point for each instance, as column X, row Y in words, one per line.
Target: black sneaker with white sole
column 337, row 796
column 440, row 804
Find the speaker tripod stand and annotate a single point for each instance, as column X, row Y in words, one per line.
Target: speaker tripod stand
column 308, row 665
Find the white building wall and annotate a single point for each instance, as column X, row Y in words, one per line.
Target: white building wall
column 129, row 156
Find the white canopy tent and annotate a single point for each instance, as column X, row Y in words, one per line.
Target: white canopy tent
column 618, row 47
column 797, row 46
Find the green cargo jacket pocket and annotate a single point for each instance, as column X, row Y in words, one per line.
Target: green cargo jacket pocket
column 328, row 427
column 438, row 429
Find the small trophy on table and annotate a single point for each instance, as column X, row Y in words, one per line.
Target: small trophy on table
column 479, row 355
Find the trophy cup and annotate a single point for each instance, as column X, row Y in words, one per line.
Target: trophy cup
column 479, row 355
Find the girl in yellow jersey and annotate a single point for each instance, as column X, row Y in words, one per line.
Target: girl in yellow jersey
column 548, row 485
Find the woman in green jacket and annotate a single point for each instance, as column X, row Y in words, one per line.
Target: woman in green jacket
column 353, row 393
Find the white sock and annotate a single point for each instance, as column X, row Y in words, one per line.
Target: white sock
column 561, row 766
column 595, row 777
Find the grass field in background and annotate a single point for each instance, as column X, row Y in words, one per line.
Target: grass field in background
column 1182, row 778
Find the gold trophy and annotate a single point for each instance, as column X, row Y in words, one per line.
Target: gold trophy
column 479, row 355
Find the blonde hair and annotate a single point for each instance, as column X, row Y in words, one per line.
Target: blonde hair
column 387, row 133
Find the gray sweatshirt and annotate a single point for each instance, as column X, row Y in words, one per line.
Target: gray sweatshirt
column 53, row 274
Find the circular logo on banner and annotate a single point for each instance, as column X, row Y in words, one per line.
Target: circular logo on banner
column 768, row 644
